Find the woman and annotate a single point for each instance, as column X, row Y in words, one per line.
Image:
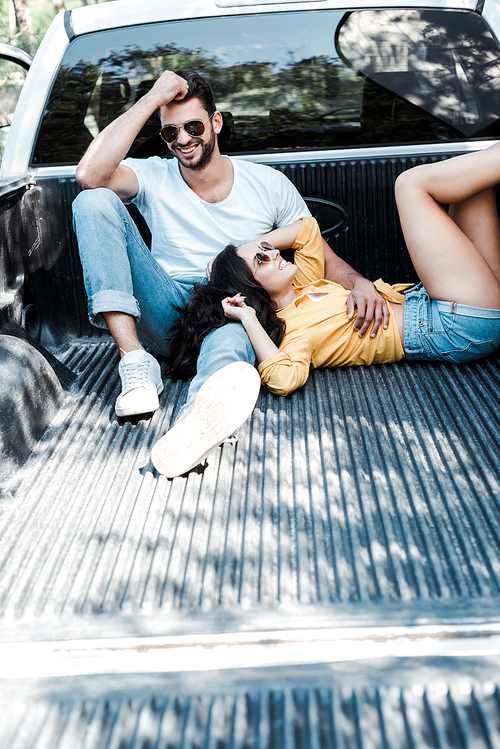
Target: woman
column 297, row 320
column 453, row 315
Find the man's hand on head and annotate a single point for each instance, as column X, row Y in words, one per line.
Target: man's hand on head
column 370, row 306
column 169, row 87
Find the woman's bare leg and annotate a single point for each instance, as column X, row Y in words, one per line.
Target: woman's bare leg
column 456, row 262
column 478, row 219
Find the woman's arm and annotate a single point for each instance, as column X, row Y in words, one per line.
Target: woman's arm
column 364, row 298
column 236, row 309
column 284, row 237
column 282, row 372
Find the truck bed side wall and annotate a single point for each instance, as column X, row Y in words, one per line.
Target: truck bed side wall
column 353, row 201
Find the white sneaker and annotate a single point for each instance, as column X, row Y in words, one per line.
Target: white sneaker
column 224, row 402
column 141, row 384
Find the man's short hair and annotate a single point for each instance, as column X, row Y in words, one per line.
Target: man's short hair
column 199, row 88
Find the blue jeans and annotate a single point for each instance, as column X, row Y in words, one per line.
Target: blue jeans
column 121, row 275
column 447, row 331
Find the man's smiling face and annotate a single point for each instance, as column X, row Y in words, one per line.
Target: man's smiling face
column 191, row 151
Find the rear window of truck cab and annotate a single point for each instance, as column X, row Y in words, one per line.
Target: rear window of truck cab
column 291, row 81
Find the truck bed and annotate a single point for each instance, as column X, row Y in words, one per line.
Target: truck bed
column 312, row 585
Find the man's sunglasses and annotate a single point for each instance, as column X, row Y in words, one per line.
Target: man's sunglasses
column 169, row 133
column 261, row 257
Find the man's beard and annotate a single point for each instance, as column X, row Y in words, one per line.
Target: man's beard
column 205, row 157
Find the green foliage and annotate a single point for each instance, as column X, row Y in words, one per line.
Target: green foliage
column 42, row 13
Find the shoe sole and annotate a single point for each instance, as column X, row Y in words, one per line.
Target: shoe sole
column 134, row 412
column 224, row 402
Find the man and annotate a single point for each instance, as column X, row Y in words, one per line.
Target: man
column 194, row 205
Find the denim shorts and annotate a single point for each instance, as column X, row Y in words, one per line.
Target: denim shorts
column 447, row 331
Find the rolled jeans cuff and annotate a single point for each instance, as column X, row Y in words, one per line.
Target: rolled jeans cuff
column 112, row 301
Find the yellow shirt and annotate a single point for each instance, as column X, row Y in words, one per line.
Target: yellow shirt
column 318, row 333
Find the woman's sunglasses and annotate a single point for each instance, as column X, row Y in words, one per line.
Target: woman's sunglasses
column 169, row 133
column 261, row 257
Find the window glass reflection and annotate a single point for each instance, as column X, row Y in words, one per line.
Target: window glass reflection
column 298, row 80
column 447, row 64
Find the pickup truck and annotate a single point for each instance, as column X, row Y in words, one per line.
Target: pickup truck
column 332, row 579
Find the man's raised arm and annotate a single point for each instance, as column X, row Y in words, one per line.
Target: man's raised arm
column 100, row 166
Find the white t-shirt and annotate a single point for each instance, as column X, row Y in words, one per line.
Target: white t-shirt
column 187, row 231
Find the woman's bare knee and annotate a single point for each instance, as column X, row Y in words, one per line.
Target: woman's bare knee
column 417, row 176
column 411, row 183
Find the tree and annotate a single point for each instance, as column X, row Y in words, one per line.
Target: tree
column 24, row 23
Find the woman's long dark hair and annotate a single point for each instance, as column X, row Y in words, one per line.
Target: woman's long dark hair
column 203, row 312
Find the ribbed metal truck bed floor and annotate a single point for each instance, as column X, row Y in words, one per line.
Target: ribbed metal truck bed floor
column 370, row 499
column 309, row 708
